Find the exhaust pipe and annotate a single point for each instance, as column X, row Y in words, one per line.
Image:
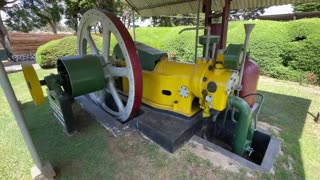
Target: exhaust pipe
column 248, row 29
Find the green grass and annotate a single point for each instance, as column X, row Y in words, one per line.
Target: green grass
column 94, row 154
column 292, row 107
column 91, row 153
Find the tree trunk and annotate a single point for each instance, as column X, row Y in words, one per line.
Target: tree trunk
column 53, row 26
column 5, row 39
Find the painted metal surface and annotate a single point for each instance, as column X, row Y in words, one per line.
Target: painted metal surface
column 162, row 86
column 233, row 56
column 250, row 81
column 81, row 74
column 169, row 7
column 203, row 40
column 33, row 84
column 243, row 125
column 149, row 56
column 132, row 71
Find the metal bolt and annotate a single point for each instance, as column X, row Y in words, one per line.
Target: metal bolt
column 204, row 79
column 210, row 68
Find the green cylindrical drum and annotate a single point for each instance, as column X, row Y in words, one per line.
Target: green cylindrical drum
column 81, row 74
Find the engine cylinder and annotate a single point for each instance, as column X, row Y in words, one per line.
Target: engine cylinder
column 250, row 81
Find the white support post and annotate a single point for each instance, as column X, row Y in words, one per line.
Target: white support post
column 40, row 170
column 197, row 33
column 133, row 26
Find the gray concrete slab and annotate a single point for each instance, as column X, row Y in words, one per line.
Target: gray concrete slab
column 12, row 67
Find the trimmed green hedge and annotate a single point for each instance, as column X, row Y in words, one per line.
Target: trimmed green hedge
column 284, row 50
column 47, row 54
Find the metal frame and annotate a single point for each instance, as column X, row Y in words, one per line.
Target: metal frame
column 16, row 110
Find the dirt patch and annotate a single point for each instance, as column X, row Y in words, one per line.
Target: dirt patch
column 309, row 88
column 216, row 158
column 139, row 158
column 267, row 127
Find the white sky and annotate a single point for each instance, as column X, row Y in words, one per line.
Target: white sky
column 284, row 9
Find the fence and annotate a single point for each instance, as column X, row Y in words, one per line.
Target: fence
column 28, row 43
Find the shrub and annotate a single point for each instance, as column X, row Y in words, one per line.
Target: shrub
column 47, row 54
column 284, row 50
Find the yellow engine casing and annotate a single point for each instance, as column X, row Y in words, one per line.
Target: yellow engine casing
column 181, row 87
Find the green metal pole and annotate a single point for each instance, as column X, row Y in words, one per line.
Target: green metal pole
column 242, row 133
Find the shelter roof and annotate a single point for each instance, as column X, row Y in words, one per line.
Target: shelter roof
column 170, row 7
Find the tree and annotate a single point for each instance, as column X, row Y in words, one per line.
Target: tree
column 246, row 14
column 35, row 13
column 3, row 31
column 20, row 19
column 307, row 7
column 76, row 8
column 177, row 20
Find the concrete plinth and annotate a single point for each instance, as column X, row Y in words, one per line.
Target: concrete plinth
column 46, row 173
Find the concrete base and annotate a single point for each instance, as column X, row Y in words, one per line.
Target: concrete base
column 12, row 67
column 46, row 173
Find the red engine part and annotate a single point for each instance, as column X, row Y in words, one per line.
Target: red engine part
column 216, row 29
column 250, row 81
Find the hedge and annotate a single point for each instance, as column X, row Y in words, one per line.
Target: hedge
column 284, row 50
column 47, row 54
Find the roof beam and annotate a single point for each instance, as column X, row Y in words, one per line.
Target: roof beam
column 164, row 4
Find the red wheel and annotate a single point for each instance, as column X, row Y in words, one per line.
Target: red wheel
column 132, row 70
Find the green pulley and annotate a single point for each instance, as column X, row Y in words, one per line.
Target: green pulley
column 81, row 74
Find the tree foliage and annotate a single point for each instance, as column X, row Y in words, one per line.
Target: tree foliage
column 307, row 7
column 169, row 21
column 20, row 19
column 29, row 14
column 246, row 14
column 76, row 8
column 3, row 31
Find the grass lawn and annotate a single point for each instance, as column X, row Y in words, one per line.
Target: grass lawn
column 94, row 154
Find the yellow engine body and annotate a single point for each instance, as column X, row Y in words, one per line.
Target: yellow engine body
column 181, row 87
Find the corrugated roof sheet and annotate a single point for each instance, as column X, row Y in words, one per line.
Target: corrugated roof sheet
column 170, row 7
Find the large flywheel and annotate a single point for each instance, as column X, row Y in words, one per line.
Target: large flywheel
column 111, row 99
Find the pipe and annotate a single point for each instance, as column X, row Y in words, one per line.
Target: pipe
column 133, row 26
column 243, row 124
column 207, row 42
column 16, row 110
column 259, row 107
column 225, row 22
column 191, row 28
column 197, row 32
column 248, row 29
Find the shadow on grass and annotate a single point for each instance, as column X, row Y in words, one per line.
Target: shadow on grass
column 289, row 114
column 82, row 155
column 88, row 154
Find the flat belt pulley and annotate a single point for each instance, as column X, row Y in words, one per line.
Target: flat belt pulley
column 95, row 73
column 131, row 71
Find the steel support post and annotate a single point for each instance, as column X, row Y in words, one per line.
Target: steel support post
column 225, row 21
column 133, row 26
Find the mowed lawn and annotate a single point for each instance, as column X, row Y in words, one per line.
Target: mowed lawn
column 94, row 154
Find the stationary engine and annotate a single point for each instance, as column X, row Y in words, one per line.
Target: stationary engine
column 185, row 88
column 118, row 79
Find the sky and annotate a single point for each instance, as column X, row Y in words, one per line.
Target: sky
column 284, row 9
